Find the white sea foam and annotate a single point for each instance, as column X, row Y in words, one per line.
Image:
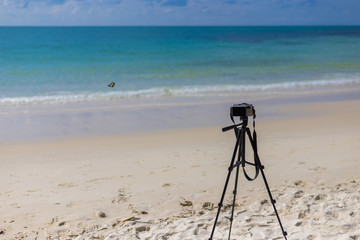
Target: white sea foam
column 67, row 97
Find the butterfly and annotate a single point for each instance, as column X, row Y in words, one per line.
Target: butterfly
column 112, row 84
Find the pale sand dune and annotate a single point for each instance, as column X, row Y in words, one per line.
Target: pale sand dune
column 132, row 187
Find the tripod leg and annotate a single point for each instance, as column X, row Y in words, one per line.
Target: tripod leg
column 258, row 163
column 241, row 158
column 227, row 181
column 273, row 202
column 234, row 199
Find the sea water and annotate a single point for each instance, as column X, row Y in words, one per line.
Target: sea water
column 45, row 65
column 54, row 80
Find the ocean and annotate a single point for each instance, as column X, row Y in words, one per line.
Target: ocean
column 49, row 65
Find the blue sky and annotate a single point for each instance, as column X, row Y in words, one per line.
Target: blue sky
column 179, row 12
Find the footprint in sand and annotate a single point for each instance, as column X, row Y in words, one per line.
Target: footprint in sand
column 195, row 166
column 67, row 185
column 71, row 204
column 299, row 183
column 32, row 190
column 98, row 180
column 168, row 168
column 121, row 196
column 317, row 169
column 15, row 205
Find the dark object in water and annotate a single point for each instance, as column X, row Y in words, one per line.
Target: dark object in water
column 112, row 84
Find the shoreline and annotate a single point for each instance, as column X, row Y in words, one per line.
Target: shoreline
column 132, row 116
column 113, row 95
column 59, row 187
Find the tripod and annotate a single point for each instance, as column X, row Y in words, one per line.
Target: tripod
column 241, row 130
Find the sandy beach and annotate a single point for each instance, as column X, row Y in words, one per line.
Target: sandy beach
column 166, row 183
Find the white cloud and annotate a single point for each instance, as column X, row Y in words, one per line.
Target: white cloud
column 69, row 7
column 178, row 12
column 4, row 3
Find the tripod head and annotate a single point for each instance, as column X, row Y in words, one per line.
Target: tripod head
column 243, row 110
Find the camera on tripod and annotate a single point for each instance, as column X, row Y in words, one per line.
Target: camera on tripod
column 242, row 110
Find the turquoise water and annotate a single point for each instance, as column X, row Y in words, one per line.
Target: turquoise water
column 40, row 65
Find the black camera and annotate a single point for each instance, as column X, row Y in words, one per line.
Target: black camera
column 242, row 110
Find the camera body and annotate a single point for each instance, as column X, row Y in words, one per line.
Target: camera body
column 242, row 110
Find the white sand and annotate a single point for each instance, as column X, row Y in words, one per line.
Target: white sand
column 133, row 186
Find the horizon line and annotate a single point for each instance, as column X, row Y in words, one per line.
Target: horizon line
column 250, row 25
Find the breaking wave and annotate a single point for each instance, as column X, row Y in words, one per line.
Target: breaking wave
column 71, row 97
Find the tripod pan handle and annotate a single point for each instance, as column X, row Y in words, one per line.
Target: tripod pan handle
column 225, row 129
